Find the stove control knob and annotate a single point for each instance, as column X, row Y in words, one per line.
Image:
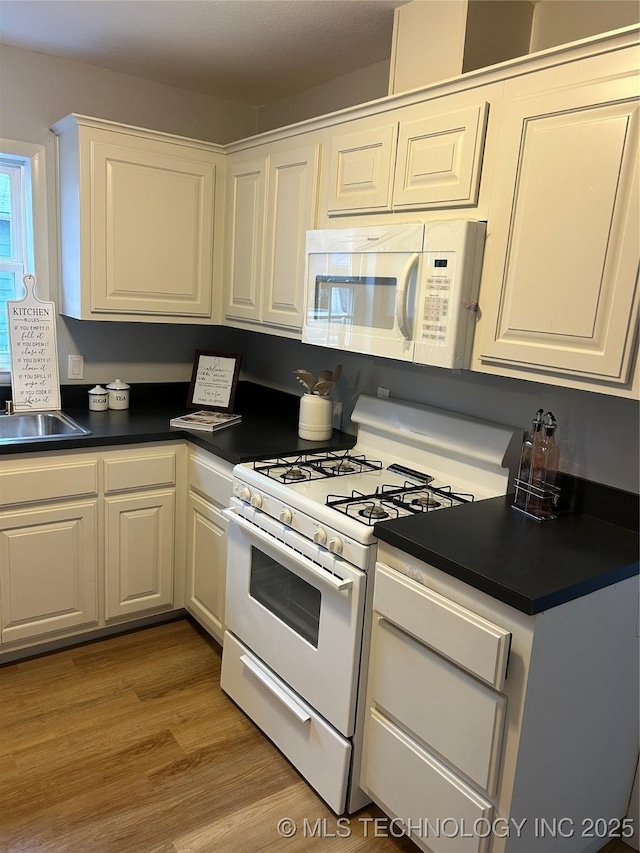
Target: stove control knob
column 335, row 545
column 285, row 516
column 256, row 501
column 320, row 536
column 244, row 494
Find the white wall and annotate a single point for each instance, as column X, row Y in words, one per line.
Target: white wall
column 561, row 21
column 37, row 90
column 367, row 84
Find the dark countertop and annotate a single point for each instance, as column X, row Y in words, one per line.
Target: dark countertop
column 529, row 565
column 269, row 425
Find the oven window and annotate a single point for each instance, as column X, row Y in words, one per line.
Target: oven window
column 287, row 596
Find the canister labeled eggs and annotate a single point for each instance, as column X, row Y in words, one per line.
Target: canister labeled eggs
column 98, row 399
column 118, row 394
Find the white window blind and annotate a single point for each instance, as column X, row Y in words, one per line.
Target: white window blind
column 24, row 245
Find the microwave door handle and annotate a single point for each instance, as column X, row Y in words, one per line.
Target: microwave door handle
column 402, row 296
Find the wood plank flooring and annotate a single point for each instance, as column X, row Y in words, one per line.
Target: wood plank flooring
column 128, row 745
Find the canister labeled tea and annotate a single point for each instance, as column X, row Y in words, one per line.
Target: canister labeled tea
column 118, row 394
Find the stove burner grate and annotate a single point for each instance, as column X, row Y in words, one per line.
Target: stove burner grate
column 396, row 501
column 316, row 466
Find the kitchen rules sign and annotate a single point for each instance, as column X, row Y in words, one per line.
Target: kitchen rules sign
column 34, row 354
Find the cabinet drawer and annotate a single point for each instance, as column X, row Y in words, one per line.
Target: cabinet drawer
column 455, row 632
column 139, row 472
column 63, row 479
column 450, row 711
column 208, row 479
column 411, row 784
column 311, row 745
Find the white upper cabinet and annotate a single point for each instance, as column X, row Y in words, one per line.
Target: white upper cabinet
column 245, row 216
column 271, row 203
column 559, row 294
column 138, row 213
column 361, row 169
column 431, row 161
column 439, row 159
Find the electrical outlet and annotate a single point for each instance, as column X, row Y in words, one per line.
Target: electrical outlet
column 337, row 415
column 75, row 367
column 384, row 393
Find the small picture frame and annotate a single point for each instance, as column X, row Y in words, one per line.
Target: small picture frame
column 214, row 379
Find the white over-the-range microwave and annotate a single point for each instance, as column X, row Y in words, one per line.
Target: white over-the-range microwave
column 401, row 291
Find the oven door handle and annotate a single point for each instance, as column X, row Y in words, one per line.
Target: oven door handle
column 309, row 566
column 264, row 677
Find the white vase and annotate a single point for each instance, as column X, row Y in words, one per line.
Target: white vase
column 316, row 417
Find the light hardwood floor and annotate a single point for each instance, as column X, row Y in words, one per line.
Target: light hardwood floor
column 128, row 745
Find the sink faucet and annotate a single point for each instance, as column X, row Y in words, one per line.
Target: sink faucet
column 8, row 407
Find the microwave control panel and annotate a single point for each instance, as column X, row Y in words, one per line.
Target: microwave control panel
column 439, row 277
column 450, row 280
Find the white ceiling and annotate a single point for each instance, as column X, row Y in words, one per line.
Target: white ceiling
column 251, row 51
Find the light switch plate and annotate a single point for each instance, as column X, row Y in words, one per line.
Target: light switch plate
column 75, row 367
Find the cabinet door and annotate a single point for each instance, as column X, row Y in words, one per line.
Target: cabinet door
column 245, row 216
column 361, row 170
column 439, row 159
column 559, row 291
column 48, row 569
column 206, row 564
column 151, row 229
column 139, row 552
column 291, row 210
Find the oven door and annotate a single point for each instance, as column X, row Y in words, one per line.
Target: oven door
column 303, row 619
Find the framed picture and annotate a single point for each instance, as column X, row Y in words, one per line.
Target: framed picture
column 214, row 380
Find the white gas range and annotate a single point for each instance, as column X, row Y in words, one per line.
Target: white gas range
column 301, row 547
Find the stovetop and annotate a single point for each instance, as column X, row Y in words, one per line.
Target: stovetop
column 408, row 459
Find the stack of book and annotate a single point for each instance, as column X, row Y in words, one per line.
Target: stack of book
column 208, row 421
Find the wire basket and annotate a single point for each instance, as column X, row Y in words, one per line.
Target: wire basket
column 539, row 503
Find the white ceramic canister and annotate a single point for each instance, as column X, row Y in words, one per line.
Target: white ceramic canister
column 98, row 399
column 118, row 394
column 316, row 417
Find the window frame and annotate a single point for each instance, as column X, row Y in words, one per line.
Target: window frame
column 35, row 205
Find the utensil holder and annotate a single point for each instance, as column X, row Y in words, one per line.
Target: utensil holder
column 536, row 502
column 315, row 422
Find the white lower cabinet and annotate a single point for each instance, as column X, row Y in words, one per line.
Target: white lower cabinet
column 88, row 540
column 409, row 780
column 519, row 765
column 48, row 569
column 139, row 553
column 140, row 519
column 209, row 490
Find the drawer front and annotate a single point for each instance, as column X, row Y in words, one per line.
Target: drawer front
column 455, row 632
column 63, row 479
column 139, row 471
column 411, row 784
column 318, row 752
column 207, row 478
column 455, row 715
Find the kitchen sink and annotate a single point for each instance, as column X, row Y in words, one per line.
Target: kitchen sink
column 38, row 426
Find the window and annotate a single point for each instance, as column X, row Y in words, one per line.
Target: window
column 22, row 203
